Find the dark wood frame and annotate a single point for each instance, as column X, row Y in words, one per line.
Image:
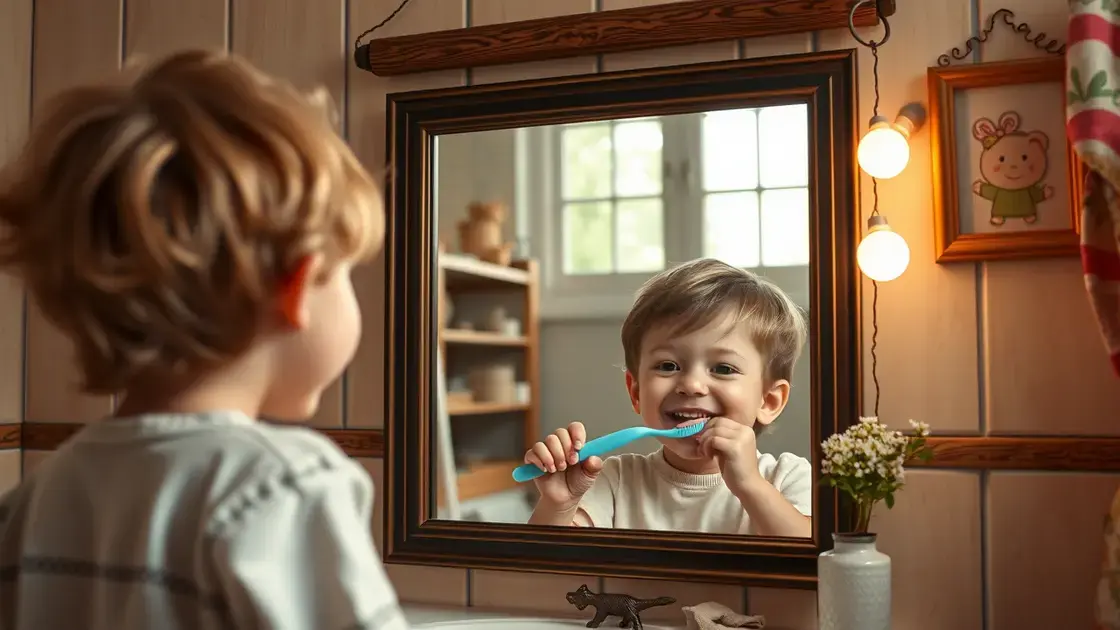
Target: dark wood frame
column 621, row 30
column 827, row 83
column 950, row 244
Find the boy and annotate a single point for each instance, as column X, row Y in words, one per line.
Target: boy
column 193, row 233
column 703, row 342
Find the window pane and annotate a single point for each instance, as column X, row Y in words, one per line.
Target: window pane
column 637, row 158
column 641, row 240
column 730, row 140
column 731, row 228
column 785, row 227
column 784, row 141
column 586, row 168
column 588, row 235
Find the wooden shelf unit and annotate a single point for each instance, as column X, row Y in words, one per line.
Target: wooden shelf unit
column 459, row 274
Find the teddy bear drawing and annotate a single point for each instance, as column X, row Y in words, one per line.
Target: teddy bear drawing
column 1013, row 164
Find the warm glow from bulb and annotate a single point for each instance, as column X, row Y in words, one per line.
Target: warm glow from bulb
column 883, row 254
column 884, row 151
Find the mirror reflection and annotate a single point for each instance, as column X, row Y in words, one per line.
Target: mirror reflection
column 645, row 272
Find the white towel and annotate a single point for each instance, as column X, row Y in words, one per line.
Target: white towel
column 716, row 616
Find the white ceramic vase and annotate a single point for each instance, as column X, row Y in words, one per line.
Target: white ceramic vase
column 854, row 585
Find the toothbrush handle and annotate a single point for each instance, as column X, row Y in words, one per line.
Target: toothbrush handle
column 598, row 447
column 526, row 472
column 529, row 472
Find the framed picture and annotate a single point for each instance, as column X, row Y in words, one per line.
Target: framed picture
column 1006, row 182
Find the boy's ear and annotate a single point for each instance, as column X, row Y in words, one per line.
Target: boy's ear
column 632, row 389
column 292, row 294
column 773, row 402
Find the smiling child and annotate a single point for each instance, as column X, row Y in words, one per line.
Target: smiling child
column 704, row 342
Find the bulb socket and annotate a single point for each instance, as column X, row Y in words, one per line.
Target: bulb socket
column 911, row 118
column 877, row 121
column 877, row 222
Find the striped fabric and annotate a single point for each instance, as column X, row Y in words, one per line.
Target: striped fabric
column 1093, row 125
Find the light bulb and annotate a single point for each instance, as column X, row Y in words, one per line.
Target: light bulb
column 883, row 254
column 884, row 151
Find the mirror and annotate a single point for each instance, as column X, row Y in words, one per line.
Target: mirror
column 587, row 212
column 654, row 248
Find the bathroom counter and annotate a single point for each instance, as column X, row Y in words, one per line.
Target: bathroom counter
column 418, row 614
column 422, row 614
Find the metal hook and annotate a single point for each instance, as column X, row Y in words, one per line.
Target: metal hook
column 882, row 18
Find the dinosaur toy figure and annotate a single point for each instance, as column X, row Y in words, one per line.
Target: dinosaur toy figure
column 625, row 607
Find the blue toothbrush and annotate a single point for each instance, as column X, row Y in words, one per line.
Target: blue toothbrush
column 609, row 442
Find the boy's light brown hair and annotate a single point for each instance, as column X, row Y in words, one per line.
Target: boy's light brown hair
column 154, row 220
column 694, row 294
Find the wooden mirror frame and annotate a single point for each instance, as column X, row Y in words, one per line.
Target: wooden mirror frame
column 827, row 83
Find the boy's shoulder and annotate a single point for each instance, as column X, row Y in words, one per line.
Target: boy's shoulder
column 225, row 446
column 783, row 465
column 218, row 464
column 287, row 446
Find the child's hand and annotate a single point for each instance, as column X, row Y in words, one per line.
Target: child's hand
column 558, row 453
column 734, row 447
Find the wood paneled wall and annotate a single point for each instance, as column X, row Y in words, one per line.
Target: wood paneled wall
column 1006, row 348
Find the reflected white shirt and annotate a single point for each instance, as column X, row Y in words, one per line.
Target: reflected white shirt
column 637, row 491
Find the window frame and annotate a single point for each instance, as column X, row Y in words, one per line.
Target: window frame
column 610, row 296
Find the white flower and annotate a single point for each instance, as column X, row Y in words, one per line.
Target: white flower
column 920, row 428
column 869, row 458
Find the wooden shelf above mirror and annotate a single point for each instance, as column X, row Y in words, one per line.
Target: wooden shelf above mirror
column 622, row 30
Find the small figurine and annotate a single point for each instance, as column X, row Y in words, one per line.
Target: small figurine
column 625, row 607
column 480, row 235
column 1013, row 165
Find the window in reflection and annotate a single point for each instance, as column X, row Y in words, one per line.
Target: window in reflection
column 621, row 183
column 612, row 202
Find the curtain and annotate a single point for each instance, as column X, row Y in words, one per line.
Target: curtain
column 1093, row 126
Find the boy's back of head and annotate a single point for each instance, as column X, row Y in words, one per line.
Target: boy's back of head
column 695, row 294
column 153, row 221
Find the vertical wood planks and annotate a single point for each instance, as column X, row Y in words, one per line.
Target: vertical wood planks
column 365, row 399
column 15, row 114
column 304, row 42
column 75, row 41
column 934, row 538
column 927, row 352
column 1047, row 367
column 156, row 28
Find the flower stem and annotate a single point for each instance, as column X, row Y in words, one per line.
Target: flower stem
column 863, row 515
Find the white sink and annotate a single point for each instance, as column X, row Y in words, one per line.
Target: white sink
column 526, row 623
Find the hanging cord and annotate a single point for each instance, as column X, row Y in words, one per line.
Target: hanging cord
column 874, row 46
column 358, row 39
column 874, row 212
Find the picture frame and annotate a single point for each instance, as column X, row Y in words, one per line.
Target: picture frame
column 981, row 210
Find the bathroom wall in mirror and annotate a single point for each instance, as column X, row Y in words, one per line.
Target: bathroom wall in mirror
column 667, row 251
column 547, row 234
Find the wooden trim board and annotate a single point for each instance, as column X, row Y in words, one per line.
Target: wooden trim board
column 601, row 32
column 47, row 436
